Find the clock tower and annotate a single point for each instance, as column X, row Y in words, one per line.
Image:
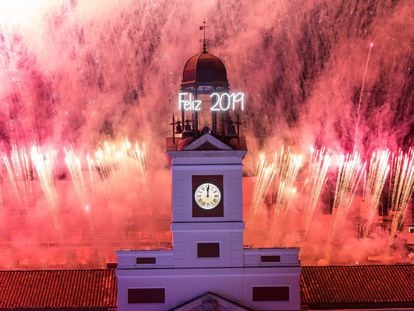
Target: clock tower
column 208, row 268
column 207, row 221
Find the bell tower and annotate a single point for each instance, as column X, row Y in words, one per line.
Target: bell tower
column 205, row 84
column 206, row 168
column 208, row 264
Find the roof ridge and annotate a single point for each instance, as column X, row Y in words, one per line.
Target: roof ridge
column 363, row 265
column 39, row 270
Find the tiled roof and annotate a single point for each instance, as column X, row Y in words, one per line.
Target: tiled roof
column 325, row 287
column 72, row 289
column 357, row 286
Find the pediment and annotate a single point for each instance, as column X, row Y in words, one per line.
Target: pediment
column 207, row 142
column 210, row 302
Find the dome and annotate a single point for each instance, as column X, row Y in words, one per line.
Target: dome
column 204, row 69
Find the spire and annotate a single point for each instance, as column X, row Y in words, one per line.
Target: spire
column 204, row 36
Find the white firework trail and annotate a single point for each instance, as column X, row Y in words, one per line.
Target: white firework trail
column 319, row 163
column 402, row 189
column 351, row 169
column 265, row 173
column 44, row 162
column 378, row 171
column 74, row 165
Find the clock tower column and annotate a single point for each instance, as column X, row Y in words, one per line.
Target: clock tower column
column 207, row 203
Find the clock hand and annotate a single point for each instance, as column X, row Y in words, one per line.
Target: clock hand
column 208, row 188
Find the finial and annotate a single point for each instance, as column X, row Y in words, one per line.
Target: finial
column 204, row 37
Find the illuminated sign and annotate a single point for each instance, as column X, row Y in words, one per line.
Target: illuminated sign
column 219, row 101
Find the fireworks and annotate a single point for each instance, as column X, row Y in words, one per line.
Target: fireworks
column 375, row 180
column 276, row 184
column 44, row 161
column 120, row 158
column 265, row 173
column 74, row 165
column 25, row 169
column 290, row 183
column 350, row 172
column 288, row 165
column 359, row 186
column 20, row 174
column 402, row 188
column 277, row 179
column 319, row 163
column 361, row 93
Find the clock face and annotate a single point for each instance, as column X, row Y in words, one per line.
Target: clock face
column 207, row 196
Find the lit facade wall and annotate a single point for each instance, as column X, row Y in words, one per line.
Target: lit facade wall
column 260, row 279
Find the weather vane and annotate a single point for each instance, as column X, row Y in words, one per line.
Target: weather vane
column 204, row 36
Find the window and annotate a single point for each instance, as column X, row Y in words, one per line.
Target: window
column 271, row 293
column 208, row 250
column 146, row 295
column 411, row 229
column 270, row 258
column 146, row 260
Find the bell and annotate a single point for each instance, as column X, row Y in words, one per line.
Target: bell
column 231, row 130
column 188, row 132
column 178, row 127
column 187, row 126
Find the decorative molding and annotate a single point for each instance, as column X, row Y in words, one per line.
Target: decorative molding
column 207, row 139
